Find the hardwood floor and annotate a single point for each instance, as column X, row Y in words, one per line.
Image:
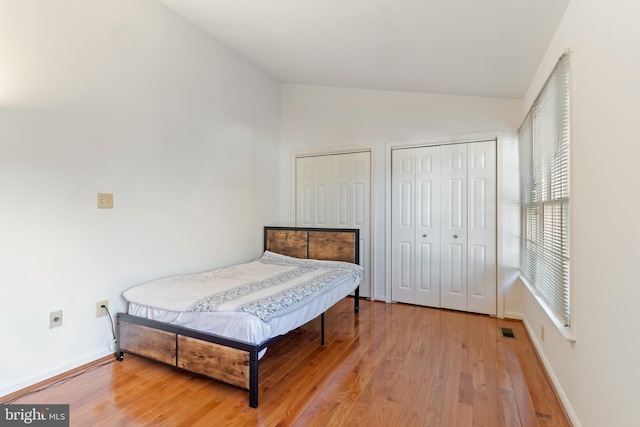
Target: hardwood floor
column 391, row 364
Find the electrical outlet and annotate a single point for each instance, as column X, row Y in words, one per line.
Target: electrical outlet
column 542, row 332
column 55, row 319
column 101, row 311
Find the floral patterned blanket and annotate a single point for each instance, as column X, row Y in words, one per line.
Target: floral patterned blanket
column 269, row 287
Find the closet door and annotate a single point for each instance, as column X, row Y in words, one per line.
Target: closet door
column 350, row 201
column 313, row 185
column 416, row 226
column 427, row 226
column 333, row 191
column 360, row 214
column 453, row 282
column 443, row 226
column 403, row 232
column 481, row 230
column 305, row 192
column 341, row 212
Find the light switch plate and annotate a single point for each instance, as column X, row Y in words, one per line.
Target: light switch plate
column 105, row 200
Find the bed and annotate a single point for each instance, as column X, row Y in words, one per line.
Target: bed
column 223, row 334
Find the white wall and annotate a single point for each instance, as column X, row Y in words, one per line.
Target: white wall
column 333, row 119
column 599, row 374
column 125, row 97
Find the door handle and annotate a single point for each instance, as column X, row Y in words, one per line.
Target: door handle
column 424, row 235
column 455, row 236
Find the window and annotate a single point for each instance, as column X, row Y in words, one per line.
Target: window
column 544, row 179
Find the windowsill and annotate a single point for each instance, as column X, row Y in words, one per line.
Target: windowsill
column 565, row 331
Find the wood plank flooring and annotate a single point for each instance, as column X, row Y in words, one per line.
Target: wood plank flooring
column 389, row 365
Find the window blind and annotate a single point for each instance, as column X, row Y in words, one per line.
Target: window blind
column 544, row 179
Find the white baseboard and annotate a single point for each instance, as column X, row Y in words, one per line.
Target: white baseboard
column 51, row 372
column 512, row 315
column 564, row 400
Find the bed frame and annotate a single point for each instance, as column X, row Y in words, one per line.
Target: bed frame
column 231, row 361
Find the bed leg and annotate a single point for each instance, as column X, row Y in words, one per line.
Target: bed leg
column 253, row 378
column 356, row 302
column 119, row 353
column 322, row 329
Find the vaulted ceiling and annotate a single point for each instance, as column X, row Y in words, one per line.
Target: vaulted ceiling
column 459, row 47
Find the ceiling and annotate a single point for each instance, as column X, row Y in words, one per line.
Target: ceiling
column 458, row 47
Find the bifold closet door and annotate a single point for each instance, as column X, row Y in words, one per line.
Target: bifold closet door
column 351, row 200
column 333, row 191
column 481, row 228
column 443, row 228
column 415, row 226
column 313, row 184
column 453, row 193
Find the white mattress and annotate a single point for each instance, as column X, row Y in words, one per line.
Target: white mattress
column 149, row 301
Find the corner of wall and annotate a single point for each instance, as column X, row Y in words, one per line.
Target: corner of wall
column 557, row 386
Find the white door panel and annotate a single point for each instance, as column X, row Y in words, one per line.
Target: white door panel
column 427, row 230
column 322, row 183
column 444, row 226
column 427, row 275
column 402, row 225
column 321, row 205
column 404, row 276
column 415, row 220
column 333, row 191
column 359, row 200
column 477, row 270
column 482, row 228
column 405, row 205
column 360, row 211
column 341, row 211
column 341, row 182
column 453, row 278
column 305, row 194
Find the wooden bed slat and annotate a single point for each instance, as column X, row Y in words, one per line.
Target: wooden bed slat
column 333, row 246
column 148, row 342
column 291, row 243
column 214, row 360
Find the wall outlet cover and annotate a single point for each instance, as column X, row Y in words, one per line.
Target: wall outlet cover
column 101, row 311
column 55, row 319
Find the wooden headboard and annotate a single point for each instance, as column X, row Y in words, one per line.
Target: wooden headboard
column 334, row 244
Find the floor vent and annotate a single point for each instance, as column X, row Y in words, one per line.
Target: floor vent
column 508, row 333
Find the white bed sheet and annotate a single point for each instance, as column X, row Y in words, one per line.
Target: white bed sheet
column 247, row 327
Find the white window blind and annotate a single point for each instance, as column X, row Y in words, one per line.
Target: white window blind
column 544, row 179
